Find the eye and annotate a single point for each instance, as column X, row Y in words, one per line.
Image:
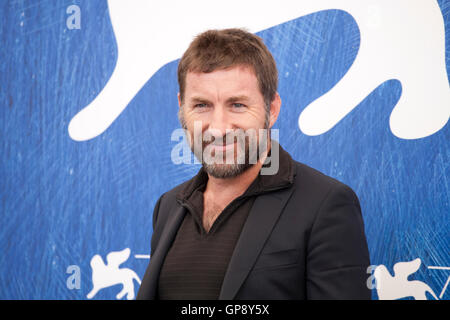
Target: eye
column 200, row 105
column 238, row 105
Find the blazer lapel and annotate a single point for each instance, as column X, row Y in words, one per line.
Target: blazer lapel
column 259, row 225
column 149, row 284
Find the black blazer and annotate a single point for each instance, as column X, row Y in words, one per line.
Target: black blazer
column 305, row 241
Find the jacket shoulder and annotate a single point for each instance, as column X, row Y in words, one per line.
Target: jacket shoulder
column 316, row 186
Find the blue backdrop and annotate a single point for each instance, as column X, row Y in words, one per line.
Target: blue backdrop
column 62, row 201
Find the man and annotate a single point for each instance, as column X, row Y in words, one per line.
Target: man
column 232, row 232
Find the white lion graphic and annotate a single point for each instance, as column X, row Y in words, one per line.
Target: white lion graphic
column 108, row 275
column 398, row 286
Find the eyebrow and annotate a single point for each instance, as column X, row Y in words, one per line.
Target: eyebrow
column 199, row 100
column 238, row 98
column 229, row 100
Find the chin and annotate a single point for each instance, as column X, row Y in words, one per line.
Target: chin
column 223, row 171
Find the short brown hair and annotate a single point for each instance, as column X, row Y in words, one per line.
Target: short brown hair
column 221, row 49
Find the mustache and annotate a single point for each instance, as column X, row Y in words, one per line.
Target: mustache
column 209, row 138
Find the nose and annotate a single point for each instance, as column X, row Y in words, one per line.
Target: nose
column 219, row 122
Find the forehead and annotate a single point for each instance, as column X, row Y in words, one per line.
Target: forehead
column 236, row 80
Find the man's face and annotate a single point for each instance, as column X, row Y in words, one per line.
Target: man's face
column 218, row 104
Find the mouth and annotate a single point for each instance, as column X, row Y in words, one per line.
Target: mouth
column 222, row 147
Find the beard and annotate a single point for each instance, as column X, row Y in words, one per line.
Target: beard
column 224, row 168
column 245, row 152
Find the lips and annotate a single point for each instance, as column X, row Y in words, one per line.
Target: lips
column 222, row 147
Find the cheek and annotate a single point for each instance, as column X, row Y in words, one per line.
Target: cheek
column 252, row 119
column 195, row 129
column 191, row 118
column 187, row 115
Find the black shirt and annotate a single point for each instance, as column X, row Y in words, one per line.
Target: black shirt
column 195, row 265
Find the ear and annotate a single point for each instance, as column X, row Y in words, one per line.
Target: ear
column 179, row 100
column 275, row 106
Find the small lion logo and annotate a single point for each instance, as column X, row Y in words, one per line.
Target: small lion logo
column 398, row 286
column 104, row 276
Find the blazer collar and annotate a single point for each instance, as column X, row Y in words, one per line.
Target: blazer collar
column 273, row 194
column 259, row 225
